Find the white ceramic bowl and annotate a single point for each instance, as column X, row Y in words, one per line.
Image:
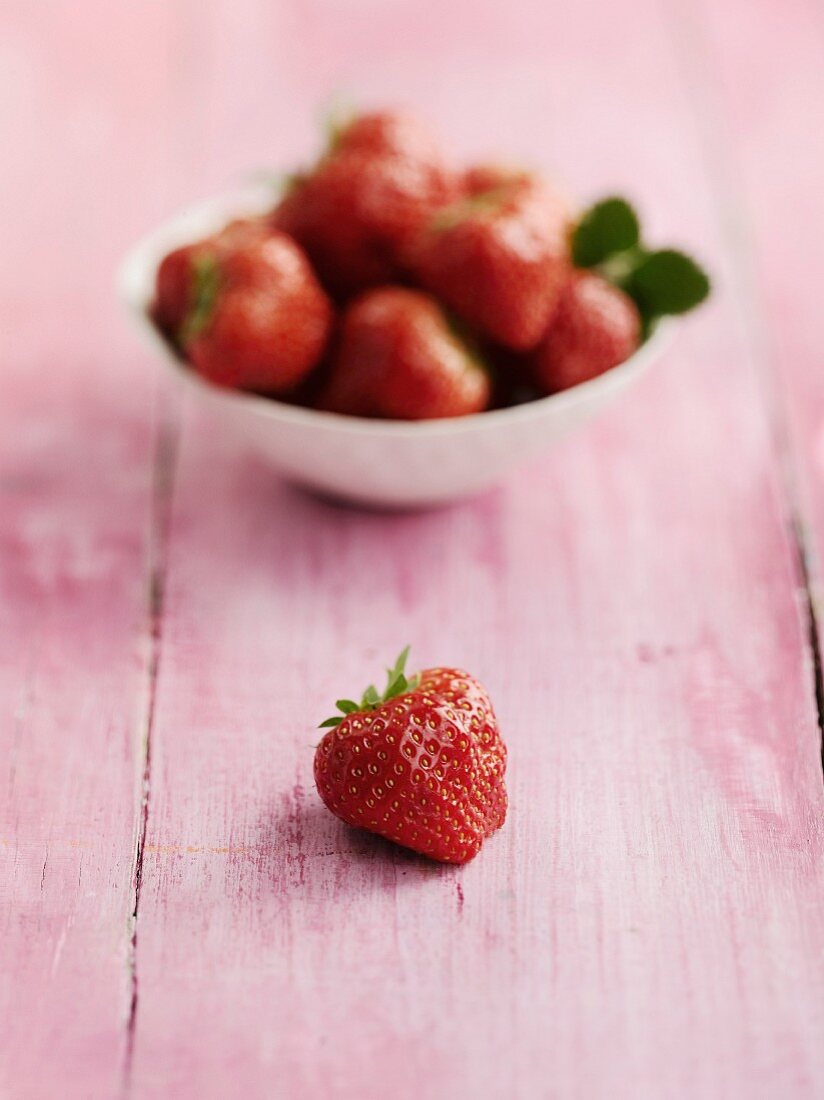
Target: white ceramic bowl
column 382, row 463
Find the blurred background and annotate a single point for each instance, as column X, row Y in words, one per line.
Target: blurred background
column 113, row 117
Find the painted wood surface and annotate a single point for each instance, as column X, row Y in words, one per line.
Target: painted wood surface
column 649, row 923
column 757, row 117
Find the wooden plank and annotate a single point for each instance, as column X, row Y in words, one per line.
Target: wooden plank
column 72, row 562
column 84, row 163
column 761, row 124
column 648, row 923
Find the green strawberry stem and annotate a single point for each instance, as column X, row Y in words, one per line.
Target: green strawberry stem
column 465, row 207
column 205, row 287
column 397, row 682
column 619, row 267
column 337, row 118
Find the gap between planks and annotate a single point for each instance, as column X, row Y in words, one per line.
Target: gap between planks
column 700, row 82
column 164, row 463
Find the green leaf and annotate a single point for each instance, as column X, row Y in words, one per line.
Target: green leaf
column 370, row 697
column 608, row 227
column 667, row 282
column 397, row 687
column 400, row 664
column 397, row 684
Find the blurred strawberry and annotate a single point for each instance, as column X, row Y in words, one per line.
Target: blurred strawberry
column 397, row 133
column 355, row 213
column 399, row 358
column 260, row 320
column 596, row 326
column 500, row 256
column 175, row 282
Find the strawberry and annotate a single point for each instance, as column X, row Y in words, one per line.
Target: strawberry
column 499, row 257
column 596, row 326
column 398, row 133
column 422, row 765
column 366, row 199
column 398, row 357
column 175, row 280
column 259, row 320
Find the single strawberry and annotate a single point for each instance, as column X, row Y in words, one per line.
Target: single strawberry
column 499, row 257
column 366, row 199
column 422, row 765
column 397, row 133
column 596, row 326
column 175, row 281
column 398, row 357
column 260, row 320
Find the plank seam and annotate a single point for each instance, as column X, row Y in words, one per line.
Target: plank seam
column 164, row 465
column 699, row 71
column 814, row 625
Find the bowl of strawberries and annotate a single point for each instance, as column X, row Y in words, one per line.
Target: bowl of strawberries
column 395, row 331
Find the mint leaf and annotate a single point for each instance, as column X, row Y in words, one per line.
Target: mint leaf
column 667, row 282
column 608, row 227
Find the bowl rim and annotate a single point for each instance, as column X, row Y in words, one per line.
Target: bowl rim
column 136, row 278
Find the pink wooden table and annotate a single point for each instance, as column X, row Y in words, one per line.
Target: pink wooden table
column 179, row 916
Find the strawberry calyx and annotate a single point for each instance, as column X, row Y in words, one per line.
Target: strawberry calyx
column 397, row 682
column 206, row 283
column 468, row 207
column 608, row 240
column 335, row 124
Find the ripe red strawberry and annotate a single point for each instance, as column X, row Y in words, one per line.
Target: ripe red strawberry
column 175, row 281
column 595, row 327
column 499, row 257
column 399, row 133
column 422, row 765
column 260, row 320
column 356, row 212
column 399, row 358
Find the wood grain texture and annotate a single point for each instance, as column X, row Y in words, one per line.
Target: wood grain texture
column 650, row 914
column 758, row 117
column 78, row 128
column 72, row 557
column 649, row 923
